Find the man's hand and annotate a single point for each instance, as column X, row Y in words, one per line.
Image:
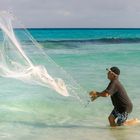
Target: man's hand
column 93, row 95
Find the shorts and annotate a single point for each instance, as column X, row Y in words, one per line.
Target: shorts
column 121, row 117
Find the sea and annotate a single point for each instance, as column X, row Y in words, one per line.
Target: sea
column 33, row 112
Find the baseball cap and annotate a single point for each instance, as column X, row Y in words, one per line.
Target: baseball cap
column 115, row 70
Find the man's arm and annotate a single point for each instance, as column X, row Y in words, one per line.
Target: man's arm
column 94, row 94
column 102, row 94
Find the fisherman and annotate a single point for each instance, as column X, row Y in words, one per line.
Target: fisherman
column 120, row 100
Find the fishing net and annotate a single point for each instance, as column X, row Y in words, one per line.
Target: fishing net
column 16, row 47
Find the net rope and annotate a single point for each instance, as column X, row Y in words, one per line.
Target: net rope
column 14, row 63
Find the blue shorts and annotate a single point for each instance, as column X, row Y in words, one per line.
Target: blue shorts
column 121, row 117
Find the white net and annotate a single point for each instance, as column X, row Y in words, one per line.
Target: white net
column 15, row 63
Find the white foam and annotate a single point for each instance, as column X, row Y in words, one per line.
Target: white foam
column 25, row 71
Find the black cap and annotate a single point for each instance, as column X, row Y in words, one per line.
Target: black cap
column 116, row 70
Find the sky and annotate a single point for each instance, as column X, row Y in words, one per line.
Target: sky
column 75, row 13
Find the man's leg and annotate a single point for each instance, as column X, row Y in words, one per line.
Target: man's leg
column 131, row 122
column 111, row 119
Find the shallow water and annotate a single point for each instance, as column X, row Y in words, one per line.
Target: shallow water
column 35, row 112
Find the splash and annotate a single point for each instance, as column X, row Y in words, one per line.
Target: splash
column 14, row 63
column 19, row 54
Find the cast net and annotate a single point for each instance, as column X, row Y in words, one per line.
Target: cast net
column 15, row 60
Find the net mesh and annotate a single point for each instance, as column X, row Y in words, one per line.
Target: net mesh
column 15, row 63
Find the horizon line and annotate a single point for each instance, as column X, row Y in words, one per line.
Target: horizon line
column 86, row 28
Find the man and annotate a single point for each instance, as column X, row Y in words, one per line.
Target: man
column 120, row 100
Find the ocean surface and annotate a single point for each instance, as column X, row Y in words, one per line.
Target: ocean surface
column 33, row 112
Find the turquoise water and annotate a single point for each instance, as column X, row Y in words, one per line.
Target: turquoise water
column 39, row 113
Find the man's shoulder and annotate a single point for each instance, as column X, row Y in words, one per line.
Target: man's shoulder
column 117, row 83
